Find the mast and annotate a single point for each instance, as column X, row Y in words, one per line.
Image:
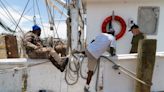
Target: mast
column 76, row 32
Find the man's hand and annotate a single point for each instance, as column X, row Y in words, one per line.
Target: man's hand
column 37, row 47
column 39, row 44
column 112, row 51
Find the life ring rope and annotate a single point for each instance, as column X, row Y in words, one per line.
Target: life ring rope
column 122, row 24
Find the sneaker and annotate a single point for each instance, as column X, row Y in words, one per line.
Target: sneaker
column 63, row 66
column 86, row 88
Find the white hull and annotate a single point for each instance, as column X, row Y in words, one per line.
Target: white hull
column 47, row 77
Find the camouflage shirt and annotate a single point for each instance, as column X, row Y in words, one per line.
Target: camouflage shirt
column 135, row 41
column 31, row 41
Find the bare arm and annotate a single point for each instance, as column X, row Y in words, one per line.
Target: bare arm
column 112, row 51
column 28, row 42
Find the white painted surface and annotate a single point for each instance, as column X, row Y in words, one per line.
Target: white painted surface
column 74, row 28
column 47, row 77
column 10, row 82
column 115, row 82
column 97, row 11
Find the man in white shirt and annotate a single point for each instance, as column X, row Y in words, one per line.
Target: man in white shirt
column 103, row 42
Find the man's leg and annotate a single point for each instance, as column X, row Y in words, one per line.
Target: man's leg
column 92, row 62
column 53, row 61
column 56, row 60
column 89, row 77
column 62, row 62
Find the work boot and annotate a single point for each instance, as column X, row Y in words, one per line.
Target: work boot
column 65, row 62
column 54, row 62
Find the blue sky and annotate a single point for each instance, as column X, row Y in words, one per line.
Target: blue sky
column 16, row 7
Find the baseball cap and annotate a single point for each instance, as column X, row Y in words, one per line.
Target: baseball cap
column 36, row 27
column 133, row 27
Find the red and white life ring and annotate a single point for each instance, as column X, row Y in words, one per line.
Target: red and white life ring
column 120, row 20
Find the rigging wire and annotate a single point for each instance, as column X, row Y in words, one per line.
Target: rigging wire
column 27, row 11
column 5, row 27
column 40, row 17
column 125, row 71
column 34, row 10
column 7, row 17
column 47, row 7
column 55, row 7
column 9, row 14
column 50, row 17
column 56, row 27
column 16, row 11
column 22, row 14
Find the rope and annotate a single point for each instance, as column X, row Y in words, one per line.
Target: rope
column 81, row 64
column 77, row 71
column 68, row 73
column 126, row 71
column 79, row 40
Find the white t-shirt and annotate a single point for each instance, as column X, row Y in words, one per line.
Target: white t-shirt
column 101, row 43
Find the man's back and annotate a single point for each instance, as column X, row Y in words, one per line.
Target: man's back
column 101, row 43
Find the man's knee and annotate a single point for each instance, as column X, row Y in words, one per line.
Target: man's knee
column 47, row 49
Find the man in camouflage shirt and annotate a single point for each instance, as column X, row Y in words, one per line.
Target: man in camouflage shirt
column 35, row 49
column 137, row 35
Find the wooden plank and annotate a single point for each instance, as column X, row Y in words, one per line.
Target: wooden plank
column 11, row 46
column 8, row 46
column 3, row 53
column 146, row 61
